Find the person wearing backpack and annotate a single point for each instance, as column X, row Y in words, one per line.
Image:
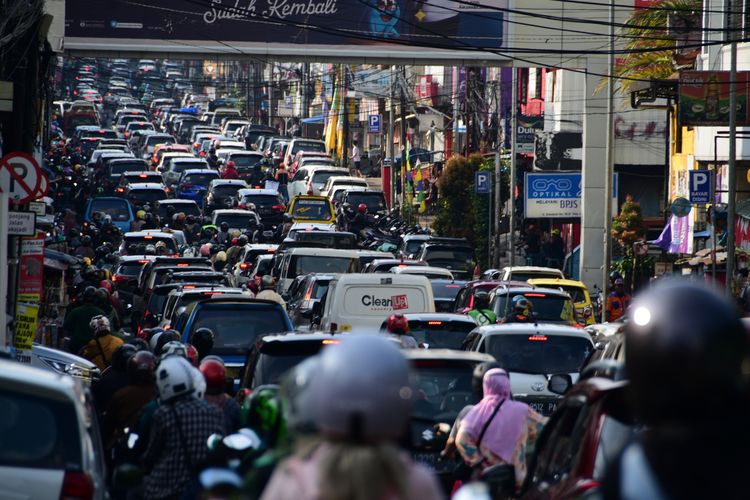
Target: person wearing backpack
column 101, row 348
column 482, row 314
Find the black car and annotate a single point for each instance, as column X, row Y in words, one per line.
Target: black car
column 303, row 293
column 222, row 193
column 444, row 291
column 268, row 203
column 458, row 259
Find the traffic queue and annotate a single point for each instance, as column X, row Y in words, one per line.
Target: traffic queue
column 249, row 320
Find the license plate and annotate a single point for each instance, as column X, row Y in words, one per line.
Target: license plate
column 545, row 409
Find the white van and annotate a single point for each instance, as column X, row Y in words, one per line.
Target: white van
column 361, row 302
column 300, row 261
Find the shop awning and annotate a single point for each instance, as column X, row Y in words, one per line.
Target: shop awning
column 314, row 119
column 58, row 260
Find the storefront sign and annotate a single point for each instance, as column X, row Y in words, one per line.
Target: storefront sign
column 30, row 284
column 704, row 98
column 557, row 195
column 526, row 134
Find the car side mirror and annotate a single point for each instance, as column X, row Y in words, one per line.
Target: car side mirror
column 559, row 383
column 317, row 309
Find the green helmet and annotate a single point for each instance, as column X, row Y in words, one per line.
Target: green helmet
column 263, row 413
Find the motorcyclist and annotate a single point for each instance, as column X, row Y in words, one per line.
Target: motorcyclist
column 215, row 374
column 101, row 347
column 222, row 237
column 230, row 171
column 139, row 222
column 179, row 430
column 104, row 302
column 686, row 355
column 233, row 252
column 113, row 378
column 161, row 248
column 283, row 229
column 127, row 402
column 397, row 326
column 77, row 320
column 259, row 235
column 268, row 290
column 109, row 232
column 192, row 229
column 498, row 430
column 203, row 340
column 521, row 310
column 86, row 248
column 361, row 402
column 481, row 313
column 617, row 301
column 359, row 221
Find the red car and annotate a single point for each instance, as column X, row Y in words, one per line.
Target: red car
column 589, row 428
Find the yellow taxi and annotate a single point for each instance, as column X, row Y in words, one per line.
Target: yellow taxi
column 312, row 209
column 578, row 293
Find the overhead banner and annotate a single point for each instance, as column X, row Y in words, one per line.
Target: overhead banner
column 557, row 195
column 439, row 24
column 704, row 98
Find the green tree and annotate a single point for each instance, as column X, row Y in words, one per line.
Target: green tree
column 627, row 229
column 647, row 29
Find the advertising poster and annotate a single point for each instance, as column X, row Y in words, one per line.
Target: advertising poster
column 26, row 320
column 526, row 135
column 30, row 284
column 439, row 24
column 704, row 98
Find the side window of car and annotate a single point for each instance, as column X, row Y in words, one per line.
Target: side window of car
column 301, row 175
column 560, row 441
column 460, row 300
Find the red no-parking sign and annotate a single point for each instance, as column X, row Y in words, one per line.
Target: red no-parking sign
column 21, row 177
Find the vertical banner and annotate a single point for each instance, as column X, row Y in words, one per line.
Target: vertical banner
column 26, row 321
column 30, row 285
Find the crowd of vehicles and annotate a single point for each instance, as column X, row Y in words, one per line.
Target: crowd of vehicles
column 195, row 246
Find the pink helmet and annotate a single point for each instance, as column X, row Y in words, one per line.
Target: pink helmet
column 206, row 250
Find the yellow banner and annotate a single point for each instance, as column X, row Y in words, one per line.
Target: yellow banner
column 26, row 319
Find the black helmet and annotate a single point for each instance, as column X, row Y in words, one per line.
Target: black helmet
column 260, row 227
column 685, row 348
column 141, row 367
column 614, row 275
column 477, row 378
column 481, row 300
column 224, row 226
column 121, row 356
column 86, row 241
column 89, row 293
column 203, row 340
column 138, row 343
column 242, row 240
column 164, row 338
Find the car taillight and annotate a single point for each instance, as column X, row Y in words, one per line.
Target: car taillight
column 242, row 206
column 118, row 277
column 244, row 266
column 120, row 190
column 280, row 208
column 76, row 485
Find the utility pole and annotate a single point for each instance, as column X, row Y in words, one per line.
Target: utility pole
column 248, row 92
column 391, row 144
column 305, row 90
column 404, row 152
column 731, row 167
column 514, row 139
column 271, row 96
column 610, row 148
column 498, row 180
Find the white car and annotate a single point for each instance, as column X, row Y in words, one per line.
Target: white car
column 311, row 179
column 50, row 445
column 523, row 273
column 336, row 181
column 430, row 272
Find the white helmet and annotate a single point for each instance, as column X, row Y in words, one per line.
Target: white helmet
column 200, row 383
column 99, row 325
column 173, row 348
column 154, row 341
column 174, row 378
column 362, row 390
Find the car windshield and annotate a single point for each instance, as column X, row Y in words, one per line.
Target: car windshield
column 319, row 147
column 130, row 268
column 200, row 179
column 306, row 264
column 263, row 266
column 452, row 254
column 142, row 241
column 236, row 327
column 159, row 139
column 320, row 178
column 144, row 177
column 262, row 200
column 375, row 201
column 527, row 275
column 412, row 246
column 443, row 388
column 246, row 160
column 227, row 189
column 311, row 209
column 438, row 334
column 119, row 210
column 546, row 307
column 446, row 290
column 539, row 354
column 147, row 195
column 120, row 168
column 186, row 208
column 39, row 432
column 236, row 221
column 181, row 166
column 277, row 358
column 328, row 239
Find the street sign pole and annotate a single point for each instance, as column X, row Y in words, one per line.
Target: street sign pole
column 4, row 201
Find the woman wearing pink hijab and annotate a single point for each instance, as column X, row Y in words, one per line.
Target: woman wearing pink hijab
column 498, row 430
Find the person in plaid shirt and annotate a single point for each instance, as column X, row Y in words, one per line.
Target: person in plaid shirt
column 180, row 428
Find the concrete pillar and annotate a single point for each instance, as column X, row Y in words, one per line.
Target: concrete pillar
column 594, row 167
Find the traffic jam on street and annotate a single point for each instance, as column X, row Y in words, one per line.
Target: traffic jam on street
column 288, row 280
